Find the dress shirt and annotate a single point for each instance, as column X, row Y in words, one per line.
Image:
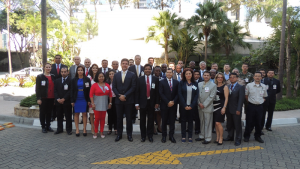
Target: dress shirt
column 62, row 79
column 233, row 85
column 139, row 69
column 150, row 80
column 201, row 72
column 106, row 70
column 226, row 75
column 212, row 80
column 253, row 91
column 59, row 65
column 179, row 76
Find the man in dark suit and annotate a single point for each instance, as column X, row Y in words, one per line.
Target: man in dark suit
column 138, row 70
column 168, row 89
column 62, row 89
column 234, row 109
column 87, row 66
column 146, row 100
column 104, row 69
column 202, row 66
column 115, row 65
column 124, row 85
column 163, row 70
column 273, row 86
column 151, row 62
column 195, row 111
column 192, row 65
column 57, row 66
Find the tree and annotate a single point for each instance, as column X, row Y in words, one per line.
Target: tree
column 161, row 4
column 208, row 16
column 136, row 4
column 68, row 7
column 233, row 6
column 89, row 26
column 166, row 25
column 227, row 36
column 112, row 4
column 123, row 3
column 95, row 2
column 296, row 44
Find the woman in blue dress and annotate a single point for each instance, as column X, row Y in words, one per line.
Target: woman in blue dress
column 80, row 99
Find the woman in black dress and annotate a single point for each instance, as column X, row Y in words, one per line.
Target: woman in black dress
column 220, row 104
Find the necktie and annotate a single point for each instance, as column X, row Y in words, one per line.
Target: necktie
column 170, row 85
column 271, row 82
column 104, row 71
column 123, row 77
column 57, row 68
column 138, row 72
column 163, row 75
column 86, row 71
column 64, row 80
column 231, row 87
column 178, row 78
column 148, row 87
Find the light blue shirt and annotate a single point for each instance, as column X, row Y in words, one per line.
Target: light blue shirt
column 226, row 75
column 212, row 80
column 232, row 86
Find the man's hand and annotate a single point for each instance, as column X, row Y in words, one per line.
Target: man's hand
column 73, row 104
column 62, row 101
column 137, row 107
column 188, row 108
column 39, row 102
column 238, row 113
column 201, row 105
column 109, row 106
column 122, row 98
column 156, row 106
column 171, row 103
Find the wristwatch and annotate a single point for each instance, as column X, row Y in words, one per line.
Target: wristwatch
column 110, row 103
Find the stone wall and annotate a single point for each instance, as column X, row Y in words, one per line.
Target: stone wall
column 26, row 111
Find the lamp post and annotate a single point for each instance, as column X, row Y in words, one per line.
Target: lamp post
column 44, row 31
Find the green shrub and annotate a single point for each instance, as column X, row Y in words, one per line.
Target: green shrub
column 288, row 104
column 29, row 101
column 29, row 84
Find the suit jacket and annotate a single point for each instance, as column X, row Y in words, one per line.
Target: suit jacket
column 272, row 90
column 161, row 75
column 175, row 75
column 166, row 94
column 207, row 98
column 72, row 71
column 141, row 92
column 106, row 73
column 200, row 80
column 86, row 90
column 182, row 94
column 42, row 91
column 54, row 71
column 133, row 70
column 236, row 99
column 60, row 92
column 127, row 88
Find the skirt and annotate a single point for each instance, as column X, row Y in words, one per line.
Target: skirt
column 80, row 104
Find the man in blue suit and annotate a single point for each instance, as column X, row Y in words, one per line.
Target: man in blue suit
column 124, row 84
column 168, row 89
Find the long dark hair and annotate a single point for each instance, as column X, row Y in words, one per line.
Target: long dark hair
column 97, row 75
column 183, row 75
column 91, row 73
column 80, row 66
column 108, row 79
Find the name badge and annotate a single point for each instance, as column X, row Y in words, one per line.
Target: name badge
column 66, row 87
column 274, row 87
column 87, row 84
column 153, row 85
column 267, row 87
column 43, row 83
column 247, row 80
column 217, row 98
column 261, row 93
column 142, row 73
column 206, row 89
column 106, row 88
column 230, row 91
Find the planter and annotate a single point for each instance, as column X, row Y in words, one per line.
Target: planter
column 32, row 112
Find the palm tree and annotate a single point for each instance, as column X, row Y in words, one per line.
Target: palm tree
column 89, row 26
column 166, row 25
column 208, row 16
column 227, row 36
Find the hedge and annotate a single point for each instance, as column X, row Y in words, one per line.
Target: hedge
column 29, row 101
column 288, row 104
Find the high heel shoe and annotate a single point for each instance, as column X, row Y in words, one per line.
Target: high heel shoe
column 84, row 134
column 220, row 144
column 216, row 141
column 77, row 134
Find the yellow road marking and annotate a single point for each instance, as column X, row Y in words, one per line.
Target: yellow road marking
column 166, row 157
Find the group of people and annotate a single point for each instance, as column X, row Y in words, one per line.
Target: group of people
column 157, row 93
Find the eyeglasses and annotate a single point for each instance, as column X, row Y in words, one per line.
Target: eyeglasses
column 219, row 77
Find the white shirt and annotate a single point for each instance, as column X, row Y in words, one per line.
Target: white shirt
column 169, row 81
column 106, row 70
column 122, row 73
column 202, row 71
column 58, row 65
column 116, row 70
column 62, row 79
column 87, row 69
column 150, row 80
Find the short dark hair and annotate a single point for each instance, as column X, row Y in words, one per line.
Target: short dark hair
column 262, row 69
column 150, row 58
column 58, row 55
column 169, row 69
column 272, row 70
column 258, row 73
column 226, row 64
column 214, row 64
column 245, row 64
column 97, row 75
column 207, row 72
column 65, row 67
column 131, row 60
column 196, row 71
column 104, row 60
column 82, row 67
column 183, row 74
column 146, row 65
column 125, row 59
column 172, row 63
column 233, row 74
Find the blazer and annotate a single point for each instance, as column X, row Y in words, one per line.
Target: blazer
column 72, row 71
column 141, row 92
column 133, row 69
column 42, row 91
column 60, row 92
column 207, row 98
column 182, row 94
column 127, row 88
column 175, row 75
column 166, row 94
column 86, row 90
column 106, row 73
column 272, row 90
column 54, row 71
column 236, row 99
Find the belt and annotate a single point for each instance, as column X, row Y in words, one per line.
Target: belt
column 255, row 104
column 80, row 89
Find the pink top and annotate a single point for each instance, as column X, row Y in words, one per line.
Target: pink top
column 95, row 90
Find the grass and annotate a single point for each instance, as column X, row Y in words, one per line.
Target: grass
column 287, row 104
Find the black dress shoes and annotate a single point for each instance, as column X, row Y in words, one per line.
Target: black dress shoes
column 246, row 139
column 269, row 129
column 118, row 138
column 155, row 133
column 262, row 133
column 70, row 133
column 50, row 129
column 133, row 121
column 237, row 143
column 172, row 139
column 205, row 142
column 143, row 139
column 57, row 132
column 197, row 132
column 158, row 131
column 44, row 130
column 84, row 134
column 150, row 139
column 129, row 138
column 228, row 139
column 259, row 139
column 163, row 140
column 199, row 139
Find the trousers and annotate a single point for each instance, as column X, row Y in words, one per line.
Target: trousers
column 99, row 117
